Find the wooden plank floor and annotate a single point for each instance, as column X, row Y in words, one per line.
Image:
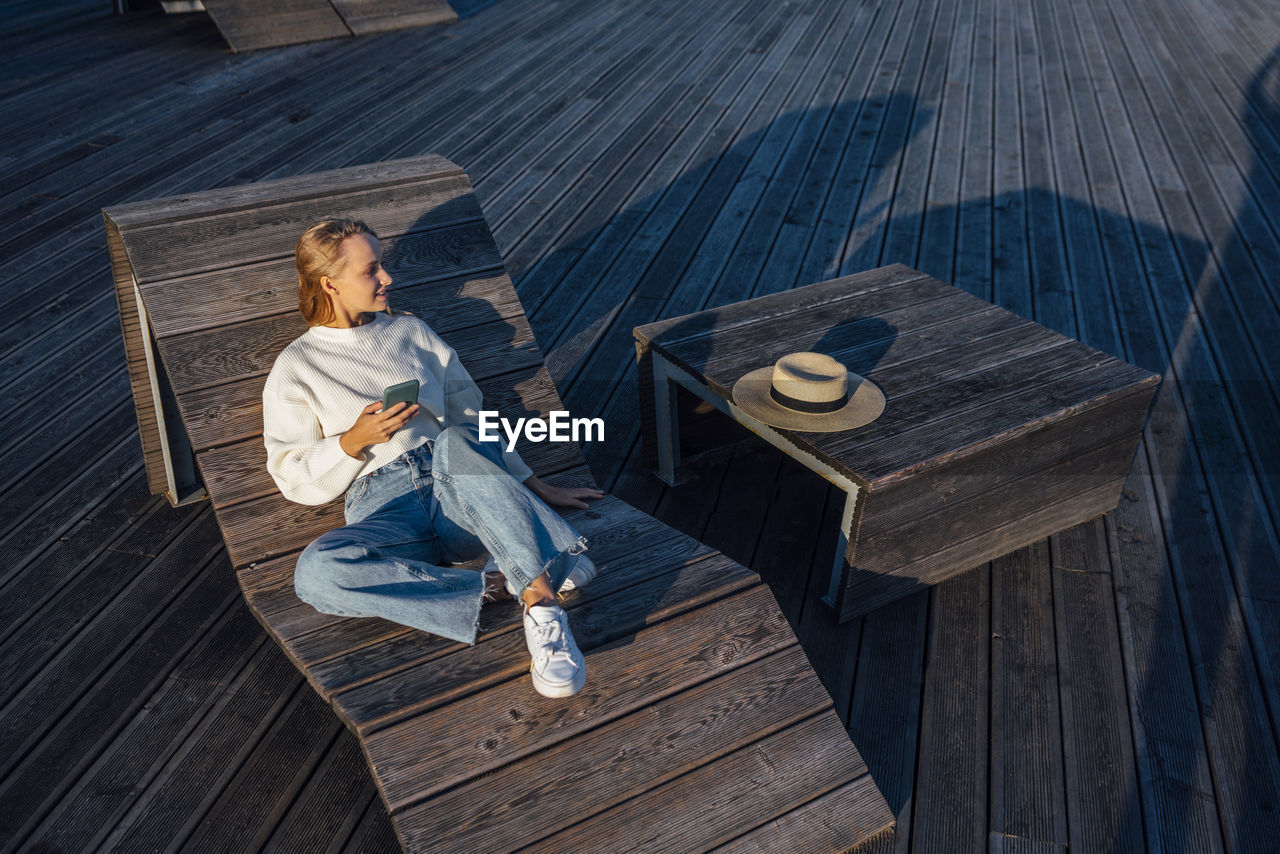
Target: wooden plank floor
column 1110, row 168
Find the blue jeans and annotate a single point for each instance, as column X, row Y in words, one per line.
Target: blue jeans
column 411, row 518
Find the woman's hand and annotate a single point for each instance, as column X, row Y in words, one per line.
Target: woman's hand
column 375, row 426
column 563, row 496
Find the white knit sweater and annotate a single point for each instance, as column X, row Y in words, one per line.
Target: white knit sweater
column 324, row 378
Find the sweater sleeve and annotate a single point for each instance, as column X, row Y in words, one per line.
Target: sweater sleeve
column 463, row 401
column 309, row 467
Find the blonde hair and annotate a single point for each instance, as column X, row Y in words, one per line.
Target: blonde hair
column 319, row 254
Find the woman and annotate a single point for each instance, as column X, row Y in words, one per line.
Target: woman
column 421, row 490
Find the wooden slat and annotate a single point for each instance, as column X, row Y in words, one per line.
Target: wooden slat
column 856, row 319
column 90, row 679
column 343, row 653
column 600, row 768
column 950, row 810
column 1028, row 799
column 718, row 81
column 1060, row 394
column 45, row 511
column 511, row 65
column 136, row 345
column 867, row 343
column 363, row 17
column 417, row 262
column 1159, row 703
column 679, row 224
column 392, row 203
column 375, row 833
column 347, row 654
column 1153, row 703
column 81, row 595
column 597, row 194
column 912, row 541
column 865, row 590
column 1093, row 707
column 766, row 260
column 248, row 197
column 410, row 692
column 249, row 25
column 895, row 154
column 700, row 224
column 863, row 815
column 900, row 504
column 246, row 811
column 631, row 680
column 1195, row 364
column 232, row 728
column 31, row 581
column 808, row 201
column 1007, row 843
column 247, row 350
column 697, row 808
column 1212, row 345
column 885, row 703
column 341, row 777
column 206, row 672
column 672, row 332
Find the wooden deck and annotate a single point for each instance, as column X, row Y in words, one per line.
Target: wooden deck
column 1110, row 168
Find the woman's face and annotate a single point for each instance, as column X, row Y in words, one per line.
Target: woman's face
column 360, row 284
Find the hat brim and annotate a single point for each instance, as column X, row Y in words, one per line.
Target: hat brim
column 751, row 394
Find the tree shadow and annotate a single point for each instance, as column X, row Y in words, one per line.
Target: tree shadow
column 730, row 228
column 1214, row 465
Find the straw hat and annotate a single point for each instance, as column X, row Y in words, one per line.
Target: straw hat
column 809, row 392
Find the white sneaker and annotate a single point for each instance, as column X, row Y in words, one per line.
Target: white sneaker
column 557, row 668
column 582, row 574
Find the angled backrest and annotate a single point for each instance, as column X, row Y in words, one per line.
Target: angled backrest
column 218, row 292
column 700, row 707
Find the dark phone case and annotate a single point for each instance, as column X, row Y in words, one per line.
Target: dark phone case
column 405, row 392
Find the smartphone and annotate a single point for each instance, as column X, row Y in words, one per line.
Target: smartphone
column 405, row 392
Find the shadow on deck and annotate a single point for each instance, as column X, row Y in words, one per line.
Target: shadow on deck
column 1094, row 168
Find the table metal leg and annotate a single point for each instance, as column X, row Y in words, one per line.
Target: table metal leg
column 842, row 547
column 668, row 425
column 665, row 378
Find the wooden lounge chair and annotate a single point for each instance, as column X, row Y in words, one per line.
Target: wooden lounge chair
column 257, row 24
column 702, row 723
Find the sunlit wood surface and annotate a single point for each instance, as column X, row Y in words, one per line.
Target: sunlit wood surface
column 1109, row 168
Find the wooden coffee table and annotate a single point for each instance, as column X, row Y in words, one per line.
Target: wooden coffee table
column 997, row 433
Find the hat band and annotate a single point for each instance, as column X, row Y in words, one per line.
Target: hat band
column 814, row 407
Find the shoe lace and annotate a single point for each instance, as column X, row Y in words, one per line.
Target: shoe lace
column 549, row 640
